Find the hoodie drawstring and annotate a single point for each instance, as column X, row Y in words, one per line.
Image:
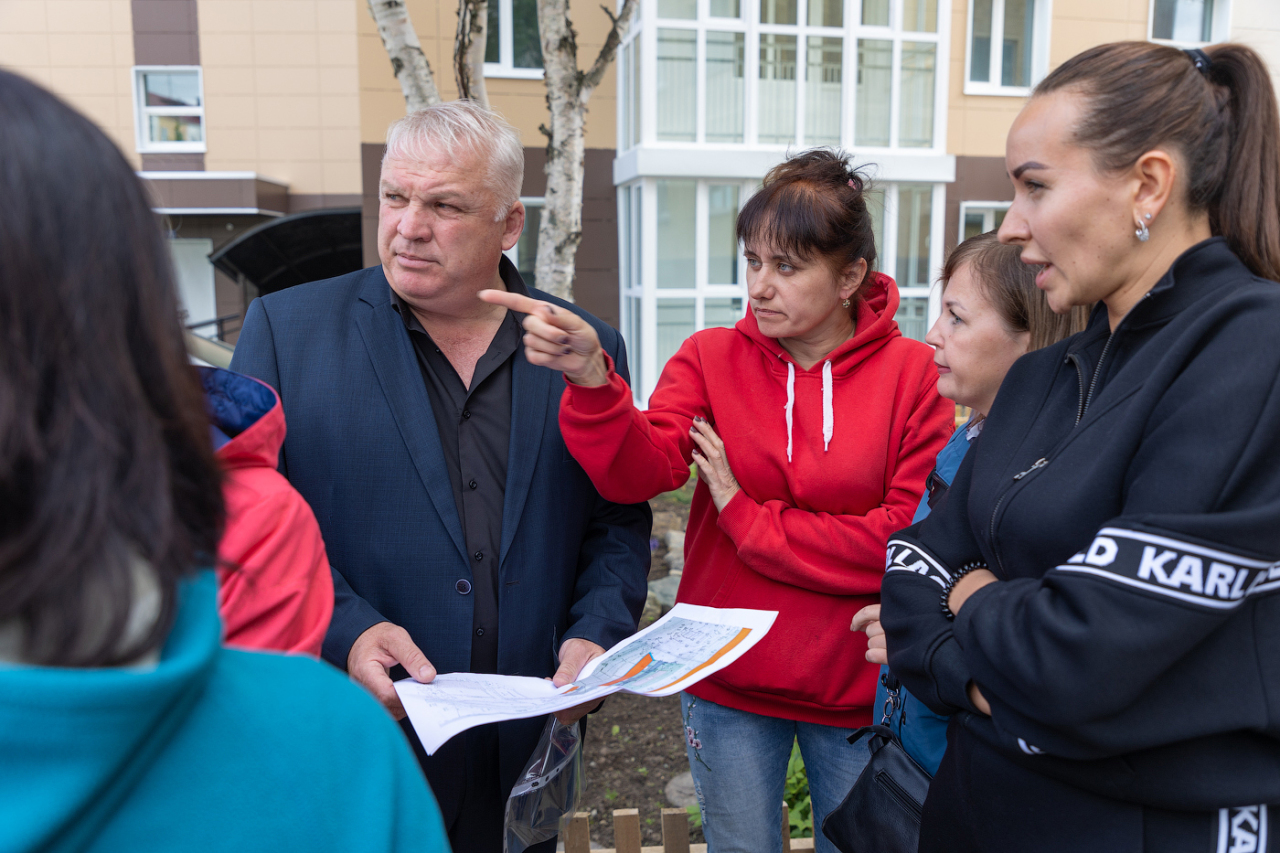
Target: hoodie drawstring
column 791, row 402
column 828, row 413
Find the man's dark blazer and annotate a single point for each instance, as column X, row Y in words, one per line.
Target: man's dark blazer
column 363, row 449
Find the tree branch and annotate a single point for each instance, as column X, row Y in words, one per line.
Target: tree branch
column 469, row 46
column 408, row 62
column 617, row 32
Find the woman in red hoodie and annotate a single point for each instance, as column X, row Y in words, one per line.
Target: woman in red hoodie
column 814, row 425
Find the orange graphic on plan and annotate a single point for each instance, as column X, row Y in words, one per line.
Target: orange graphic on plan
column 635, row 670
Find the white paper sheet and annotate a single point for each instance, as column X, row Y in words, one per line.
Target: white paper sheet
column 678, row 650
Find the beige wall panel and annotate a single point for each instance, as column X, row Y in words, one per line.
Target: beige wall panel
column 81, row 16
column 284, row 16
column 279, row 76
column 1257, row 24
column 336, row 110
column 301, row 144
column 239, row 144
column 82, row 50
column 225, row 50
column 224, row 16
column 340, row 81
column 977, row 125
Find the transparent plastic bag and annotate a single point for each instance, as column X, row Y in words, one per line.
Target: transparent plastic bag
column 548, row 791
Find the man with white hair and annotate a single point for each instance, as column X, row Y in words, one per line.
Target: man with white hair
column 462, row 534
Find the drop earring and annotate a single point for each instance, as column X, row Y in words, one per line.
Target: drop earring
column 844, row 304
column 1142, row 232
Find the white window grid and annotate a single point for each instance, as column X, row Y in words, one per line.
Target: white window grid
column 644, row 33
column 142, row 112
column 1220, row 25
column 1043, row 10
column 638, row 262
column 505, row 66
column 988, row 210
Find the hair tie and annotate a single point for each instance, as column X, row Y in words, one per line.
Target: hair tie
column 1199, row 59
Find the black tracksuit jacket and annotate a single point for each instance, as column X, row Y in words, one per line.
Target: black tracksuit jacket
column 1126, row 492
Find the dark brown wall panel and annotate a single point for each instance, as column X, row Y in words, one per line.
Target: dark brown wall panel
column 977, row 179
column 165, row 32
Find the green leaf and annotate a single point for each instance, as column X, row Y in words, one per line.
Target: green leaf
column 614, row 731
column 695, row 815
column 643, row 771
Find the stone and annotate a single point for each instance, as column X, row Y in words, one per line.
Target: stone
column 664, row 589
column 680, row 791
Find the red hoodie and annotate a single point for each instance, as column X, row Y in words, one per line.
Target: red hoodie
column 279, row 595
column 805, row 536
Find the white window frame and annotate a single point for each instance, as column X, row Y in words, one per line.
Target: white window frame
column 1043, row 11
column 987, row 207
column 645, row 30
column 141, row 130
column 505, row 67
column 1221, row 25
column 642, row 263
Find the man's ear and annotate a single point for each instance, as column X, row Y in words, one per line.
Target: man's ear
column 852, row 278
column 512, row 226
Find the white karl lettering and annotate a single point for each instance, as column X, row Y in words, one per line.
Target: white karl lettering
column 1237, row 589
column 1218, row 584
column 1189, row 572
column 1244, row 830
column 1153, row 564
column 1102, row 552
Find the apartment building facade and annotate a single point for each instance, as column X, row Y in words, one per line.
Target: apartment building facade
column 241, row 113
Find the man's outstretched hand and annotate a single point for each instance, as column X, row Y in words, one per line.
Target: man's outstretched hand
column 556, row 338
column 574, row 655
column 372, row 655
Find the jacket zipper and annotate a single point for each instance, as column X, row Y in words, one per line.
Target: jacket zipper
column 1097, row 371
column 991, row 531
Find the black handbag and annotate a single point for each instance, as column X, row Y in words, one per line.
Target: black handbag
column 881, row 813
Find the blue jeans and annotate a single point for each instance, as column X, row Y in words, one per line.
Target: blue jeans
column 739, row 764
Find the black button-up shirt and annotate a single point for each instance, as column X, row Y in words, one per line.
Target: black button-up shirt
column 475, row 431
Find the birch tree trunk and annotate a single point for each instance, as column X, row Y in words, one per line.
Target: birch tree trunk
column 408, row 62
column 568, row 91
column 469, row 48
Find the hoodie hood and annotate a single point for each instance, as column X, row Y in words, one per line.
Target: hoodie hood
column 874, row 327
column 248, row 425
column 75, row 741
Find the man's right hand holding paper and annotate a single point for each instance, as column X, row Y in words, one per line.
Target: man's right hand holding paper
column 372, row 655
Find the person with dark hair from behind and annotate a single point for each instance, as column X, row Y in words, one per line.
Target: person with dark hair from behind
column 275, row 589
column 813, row 424
column 124, row 723
column 1096, row 596
column 992, row 314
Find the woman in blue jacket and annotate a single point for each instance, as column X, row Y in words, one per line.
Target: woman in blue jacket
column 1095, row 599
column 992, row 314
column 124, row 724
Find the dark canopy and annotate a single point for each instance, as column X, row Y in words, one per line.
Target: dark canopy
column 295, row 249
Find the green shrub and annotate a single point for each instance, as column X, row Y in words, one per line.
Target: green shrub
column 799, row 808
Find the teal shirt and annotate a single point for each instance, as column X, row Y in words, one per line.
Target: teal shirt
column 211, row 750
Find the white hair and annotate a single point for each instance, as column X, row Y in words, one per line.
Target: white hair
column 458, row 127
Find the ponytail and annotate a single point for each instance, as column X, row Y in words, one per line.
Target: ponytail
column 1247, row 212
column 1216, row 107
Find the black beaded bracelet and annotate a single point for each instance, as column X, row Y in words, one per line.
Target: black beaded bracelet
column 955, row 578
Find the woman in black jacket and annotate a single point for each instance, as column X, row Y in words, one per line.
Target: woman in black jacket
column 1109, row 547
